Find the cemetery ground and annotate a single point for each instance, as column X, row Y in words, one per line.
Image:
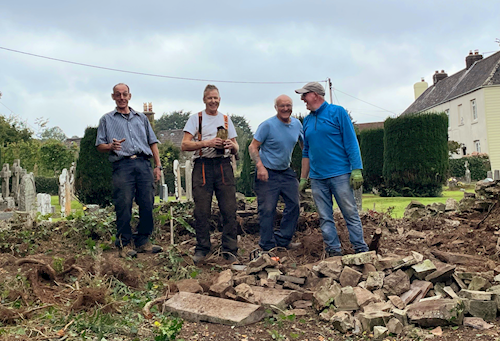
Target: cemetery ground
column 63, row 280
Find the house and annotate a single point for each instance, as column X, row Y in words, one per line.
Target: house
column 367, row 126
column 471, row 99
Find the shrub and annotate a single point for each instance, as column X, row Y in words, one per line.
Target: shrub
column 416, row 154
column 479, row 165
column 372, row 153
column 244, row 183
column 93, row 183
column 47, row 185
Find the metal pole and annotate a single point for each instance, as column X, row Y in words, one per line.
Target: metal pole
column 330, row 86
column 171, row 226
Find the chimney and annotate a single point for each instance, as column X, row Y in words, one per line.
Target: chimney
column 439, row 76
column 472, row 58
column 419, row 88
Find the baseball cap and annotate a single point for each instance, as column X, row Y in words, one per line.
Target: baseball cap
column 312, row 87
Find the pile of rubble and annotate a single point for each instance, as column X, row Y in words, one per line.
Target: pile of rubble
column 356, row 293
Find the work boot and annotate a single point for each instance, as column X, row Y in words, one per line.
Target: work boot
column 230, row 257
column 333, row 253
column 198, row 257
column 127, row 251
column 148, row 248
column 294, row 246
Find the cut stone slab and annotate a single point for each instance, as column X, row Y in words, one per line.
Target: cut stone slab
column 296, row 312
column 450, row 292
column 407, row 262
column 479, row 283
column 364, row 296
column 380, row 332
column 197, row 308
column 342, row 321
column 275, row 297
column 418, row 256
column 424, row 288
column 301, row 304
column 367, row 268
column 397, row 302
column 349, row 277
column 375, row 280
column 381, row 306
column 223, row 283
column 476, row 295
column 370, row 320
column 459, row 282
column 389, row 262
column 243, row 278
column 396, row 283
column 395, row 326
column 441, row 275
column 330, row 267
column 326, row 294
column 346, row 300
column 434, row 313
column 477, row 323
column 401, row 316
column 487, row 310
column 360, row 258
column 245, row 292
column 189, row 285
column 423, row 269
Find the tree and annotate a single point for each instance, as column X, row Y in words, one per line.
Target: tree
column 54, row 133
column 453, row 147
column 245, row 182
column 241, row 122
column 55, row 156
column 174, row 120
column 13, row 130
column 168, row 153
column 26, row 151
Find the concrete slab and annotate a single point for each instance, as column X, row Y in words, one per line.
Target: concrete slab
column 197, row 308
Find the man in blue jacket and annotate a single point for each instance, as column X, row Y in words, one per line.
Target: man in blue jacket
column 332, row 159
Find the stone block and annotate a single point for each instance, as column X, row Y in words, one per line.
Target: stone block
column 375, row 280
column 434, row 313
column 381, row 306
column 477, row 323
column 342, row 321
column 346, row 300
column 476, row 295
column 395, row 326
column 360, row 258
column 330, row 267
column 367, row 268
column 441, row 275
column 364, row 297
column 424, row 288
column 389, row 262
column 479, row 283
column 370, row 320
column 223, row 283
column 243, row 278
column 396, row 283
column 423, row 269
column 401, row 316
column 261, row 263
column 326, row 294
column 197, row 308
column 380, row 332
column 301, row 304
column 487, row 310
column 245, row 292
column 269, row 297
column 450, row 292
column 397, row 302
column 349, row 277
column 189, row 285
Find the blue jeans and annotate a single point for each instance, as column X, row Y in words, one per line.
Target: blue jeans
column 282, row 183
column 338, row 186
column 133, row 178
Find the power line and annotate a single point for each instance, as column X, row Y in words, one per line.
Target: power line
column 365, row 101
column 143, row 73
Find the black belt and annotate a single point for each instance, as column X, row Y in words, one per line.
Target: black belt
column 278, row 170
column 137, row 156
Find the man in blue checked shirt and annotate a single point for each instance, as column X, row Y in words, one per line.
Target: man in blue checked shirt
column 130, row 141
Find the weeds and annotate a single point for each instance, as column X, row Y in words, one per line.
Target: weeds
column 168, row 329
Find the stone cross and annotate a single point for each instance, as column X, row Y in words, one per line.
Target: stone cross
column 467, row 173
column 189, row 180
column 5, row 174
column 16, row 170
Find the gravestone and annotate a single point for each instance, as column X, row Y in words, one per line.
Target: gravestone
column 189, row 180
column 489, row 174
column 496, row 175
column 64, row 193
column 178, row 186
column 467, row 173
column 16, row 178
column 72, row 179
column 27, row 193
column 5, row 174
column 43, row 203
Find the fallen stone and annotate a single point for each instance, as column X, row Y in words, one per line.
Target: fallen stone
column 401, row 316
column 370, row 320
column 380, row 294
column 441, row 275
column 367, row 268
column 438, row 331
column 475, row 295
column 273, row 274
column 479, row 283
column 459, row 282
column 245, row 292
column 389, row 262
column 375, row 280
column 397, row 302
column 380, row 332
column 349, row 277
column 223, row 283
column 292, row 286
column 477, row 323
column 327, row 314
column 381, row 306
column 424, row 288
column 417, row 256
column 346, row 300
column 416, row 234
column 197, row 308
column 296, row 312
column 451, row 205
column 456, row 258
column 360, row 258
column 342, row 321
column 396, row 283
column 189, row 285
column 330, row 267
column 423, row 269
column 261, row 263
column 487, row 310
column 326, row 294
column 395, row 326
column 275, row 297
column 243, row 278
column 364, row 296
column 407, row 262
column 431, row 298
column 292, row 279
column 440, row 312
column 299, row 272
column 450, row 292
column 495, row 290
column 301, row 304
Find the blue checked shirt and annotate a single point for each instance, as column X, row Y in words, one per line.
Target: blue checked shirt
column 134, row 128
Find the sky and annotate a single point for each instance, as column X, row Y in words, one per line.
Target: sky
column 253, row 51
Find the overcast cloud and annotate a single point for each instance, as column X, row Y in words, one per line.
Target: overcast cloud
column 374, row 51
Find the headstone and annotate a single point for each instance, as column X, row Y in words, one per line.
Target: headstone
column 496, row 175
column 358, row 196
column 189, row 180
column 16, row 172
column 64, row 193
column 72, row 179
column 489, row 174
column 467, row 173
column 177, row 182
column 5, row 174
column 27, row 193
column 43, row 203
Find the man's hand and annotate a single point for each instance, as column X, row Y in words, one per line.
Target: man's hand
column 157, row 173
column 229, row 144
column 356, row 179
column 117, row 144
column 262, row 173
column 216, row 142
column 302, row 185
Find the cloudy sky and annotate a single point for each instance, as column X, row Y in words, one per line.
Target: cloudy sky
column 373, row 52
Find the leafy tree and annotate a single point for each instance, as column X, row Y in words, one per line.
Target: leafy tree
column 168, row 153
column 241, row 122
column 26, row 151
column 174, row 120
column 55, row 156
column 453, row 147
column 54, row 133
column 13, row 130
column 245, row 182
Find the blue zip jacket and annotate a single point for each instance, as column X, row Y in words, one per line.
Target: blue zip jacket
column 330, row 142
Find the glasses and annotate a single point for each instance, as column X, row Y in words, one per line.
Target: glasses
column 284, row 106
column 120, row 95
column 305, row 94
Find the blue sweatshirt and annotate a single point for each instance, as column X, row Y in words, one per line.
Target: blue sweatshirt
column 330, row 142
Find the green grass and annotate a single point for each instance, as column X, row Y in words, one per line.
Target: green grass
column 75, row 205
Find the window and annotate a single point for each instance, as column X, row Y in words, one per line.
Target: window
column 447, row 111
column 460, row 115
column 473, row 109
column 477, row 146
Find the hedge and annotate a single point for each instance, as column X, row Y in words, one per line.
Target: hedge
column 372, row 154
column 479, row 165
column 47, row 185
column 416, row 154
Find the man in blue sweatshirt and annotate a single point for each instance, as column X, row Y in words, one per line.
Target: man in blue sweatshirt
column 332, row 159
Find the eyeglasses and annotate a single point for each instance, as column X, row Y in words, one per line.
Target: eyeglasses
column 305, row 94
column 120, row 95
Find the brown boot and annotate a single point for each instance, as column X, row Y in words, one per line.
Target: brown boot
column 127, row 251
column 148, row 248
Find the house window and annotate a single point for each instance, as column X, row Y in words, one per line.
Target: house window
column 447, row 111
column 460, row 115
column 477, row 146
column 473, row 108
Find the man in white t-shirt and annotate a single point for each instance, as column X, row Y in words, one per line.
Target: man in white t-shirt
column 211, row 135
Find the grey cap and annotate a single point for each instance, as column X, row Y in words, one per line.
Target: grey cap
column 312, row 87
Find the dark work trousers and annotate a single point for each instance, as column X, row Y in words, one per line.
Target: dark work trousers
column 209, row 176
column 284, row 183
column 133, row 178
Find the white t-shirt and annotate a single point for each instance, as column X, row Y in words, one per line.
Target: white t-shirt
column 209, row 125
